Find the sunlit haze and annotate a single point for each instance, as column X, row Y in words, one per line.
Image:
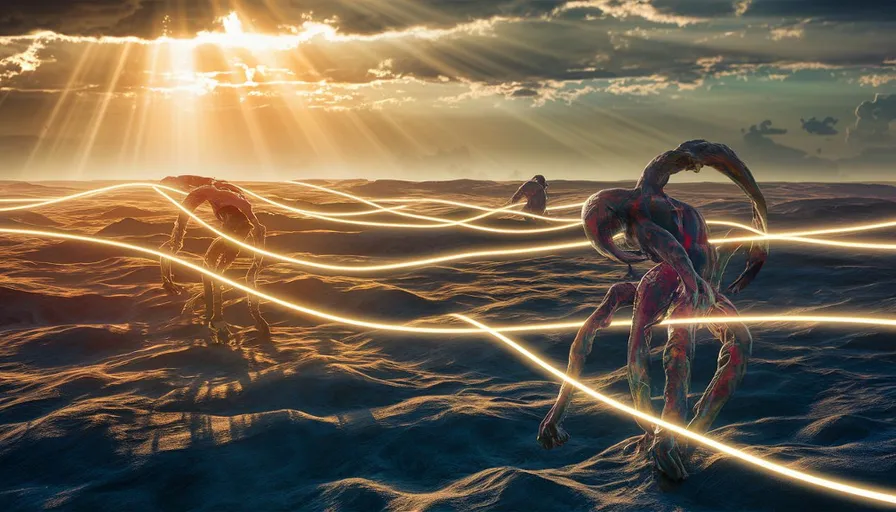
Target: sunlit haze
column 431, row 89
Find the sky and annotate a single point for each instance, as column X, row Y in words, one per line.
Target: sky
column 443, row 89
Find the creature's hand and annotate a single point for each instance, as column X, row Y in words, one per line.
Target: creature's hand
column 551, row 434
column 171, row 287
column 667, row 456
column 219, row 329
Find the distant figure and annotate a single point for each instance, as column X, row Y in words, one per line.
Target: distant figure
column 536, row 193
column 238, row 219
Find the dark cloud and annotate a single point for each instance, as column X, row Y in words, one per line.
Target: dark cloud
column 761, row 151
column 757, row 132
column 822, row 127
column 828, row 10
column 65, row 16
column 873, row 120
column 147, row 18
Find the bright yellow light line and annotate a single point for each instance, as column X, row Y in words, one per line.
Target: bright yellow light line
column 766, row 465
column 790, row 237
column 86, row 193
column 795, row 236
column 376, row 268
column 537, row 327
column 479, row 328
column 439, row 222
column 37, row 203
column 491, row 211
column 406, row 264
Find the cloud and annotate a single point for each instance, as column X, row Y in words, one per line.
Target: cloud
column 873, row 118
column 757, row 132
column 760, row 149
column 822, row 127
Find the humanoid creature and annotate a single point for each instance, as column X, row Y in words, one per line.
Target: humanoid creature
column 684, row 283
column 536, row 193
column 239, row 220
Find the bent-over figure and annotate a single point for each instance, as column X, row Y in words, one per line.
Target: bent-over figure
column 536, row 193
column 238, row 221
column 684, row 283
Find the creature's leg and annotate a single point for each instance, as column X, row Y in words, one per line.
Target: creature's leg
column 677, row 357
column 212, row 290
column 737, row 345
column 264, row 329
column 551, row 433
column 655, row 293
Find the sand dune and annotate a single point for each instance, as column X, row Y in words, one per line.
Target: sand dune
column 111, row 399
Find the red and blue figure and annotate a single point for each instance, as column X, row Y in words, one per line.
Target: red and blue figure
column 684, row 283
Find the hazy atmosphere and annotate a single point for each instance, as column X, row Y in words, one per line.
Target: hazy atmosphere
column 438, row 89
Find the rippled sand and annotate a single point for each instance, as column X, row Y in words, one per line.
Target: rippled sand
column 111, row 399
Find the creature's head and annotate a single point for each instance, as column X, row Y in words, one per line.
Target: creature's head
column 697, row 153
column 541, row 181
column 603, row 217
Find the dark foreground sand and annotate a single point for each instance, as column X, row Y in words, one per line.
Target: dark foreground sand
column 110, row 399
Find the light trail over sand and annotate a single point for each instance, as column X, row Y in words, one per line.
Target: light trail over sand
column 797, row 237
column 481, row 328
column 536, row 327
column 756, row 462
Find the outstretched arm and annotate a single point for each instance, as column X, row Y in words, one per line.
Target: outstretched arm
column 176, row 242
column 620, row 295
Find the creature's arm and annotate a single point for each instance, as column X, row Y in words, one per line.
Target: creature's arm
column 551, row 434
column 176, row 242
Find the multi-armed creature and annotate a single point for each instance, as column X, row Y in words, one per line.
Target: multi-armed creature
column 238, row 219
column 536, row 193
column 685, row 283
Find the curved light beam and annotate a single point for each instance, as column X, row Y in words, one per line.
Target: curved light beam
column 763, row 464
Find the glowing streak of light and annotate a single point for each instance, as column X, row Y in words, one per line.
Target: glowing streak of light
column 40, row 202
column 375, row 268
column 534, row 327
column 86, row 193
column 480, row 328
column 485, row 253
column 491, row 211
column 757, row 462
column 440, row 223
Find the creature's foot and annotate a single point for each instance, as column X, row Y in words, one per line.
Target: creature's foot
column 667, row 456
column 220, row 331
column 640, row 445
column 172, row 288
column 551, row 435
column 264, row 331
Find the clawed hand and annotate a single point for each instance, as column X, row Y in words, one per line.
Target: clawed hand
column 667, row 456
column 551, row 434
